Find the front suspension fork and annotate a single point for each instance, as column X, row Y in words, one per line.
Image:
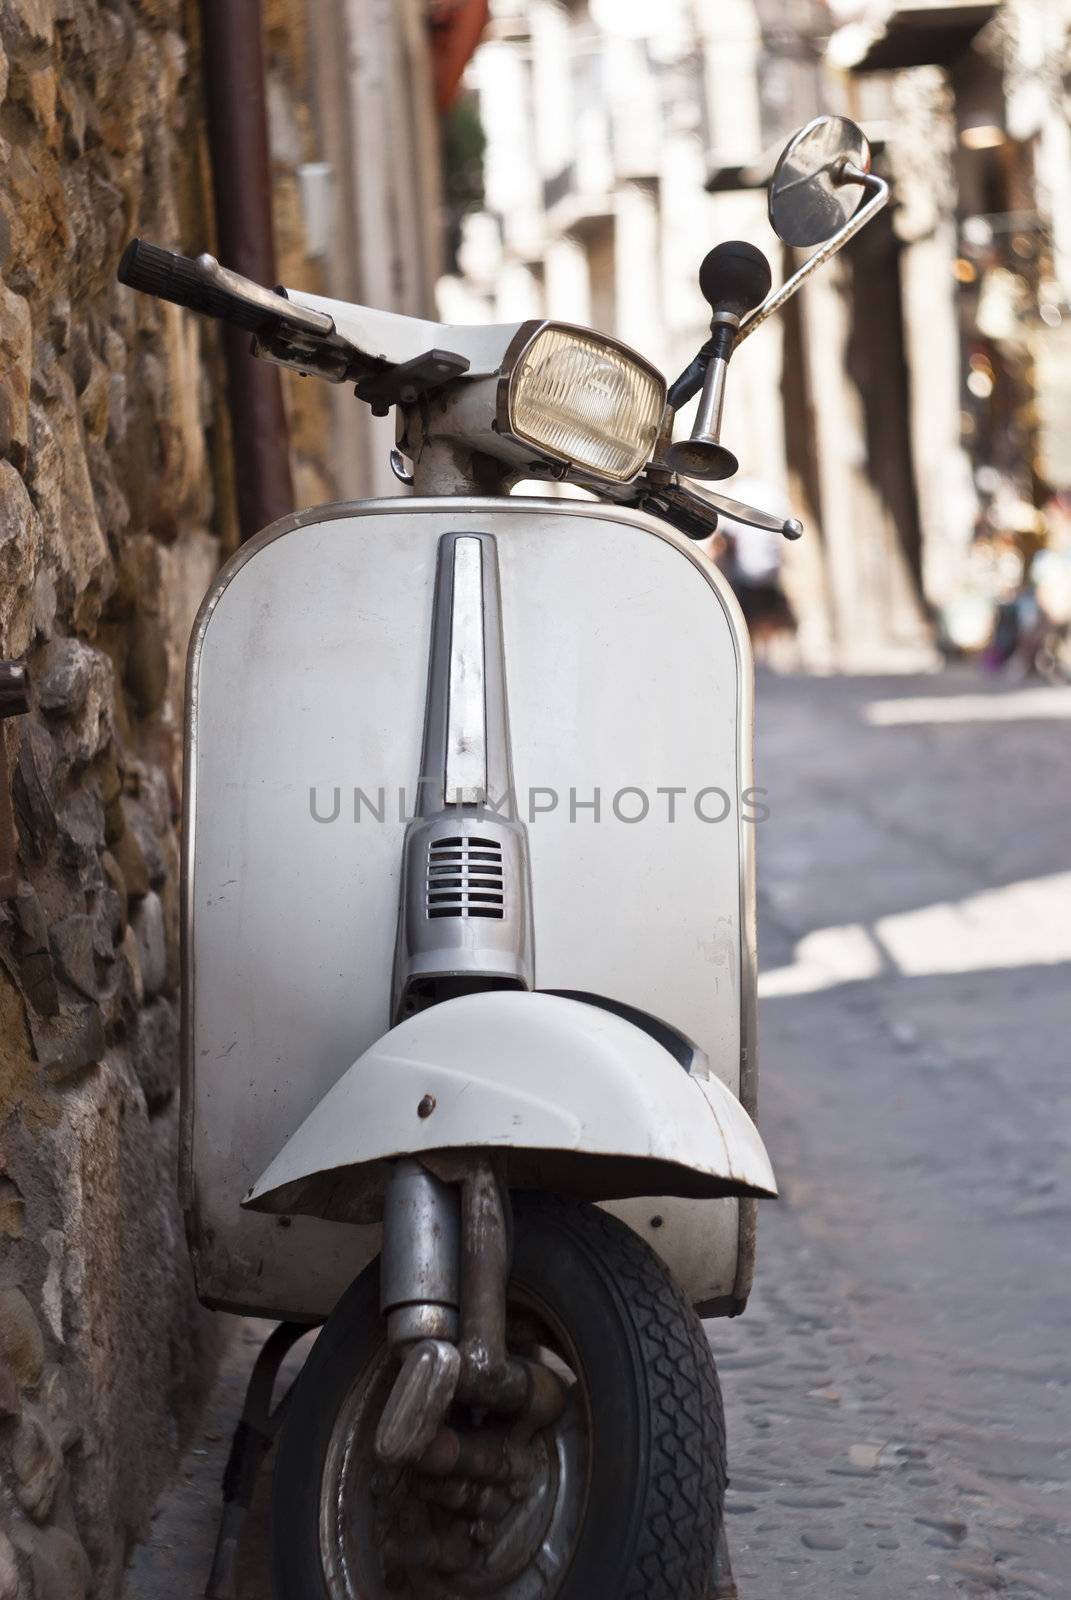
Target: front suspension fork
column 444, row 1273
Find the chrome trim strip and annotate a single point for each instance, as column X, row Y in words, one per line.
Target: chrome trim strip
column 465, row 775
column 406, row 506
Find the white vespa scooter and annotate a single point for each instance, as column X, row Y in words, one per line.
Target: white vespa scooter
column 469, row 978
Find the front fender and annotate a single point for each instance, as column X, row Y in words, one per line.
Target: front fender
column 585, row 1102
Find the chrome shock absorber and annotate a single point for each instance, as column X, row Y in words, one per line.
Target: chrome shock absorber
column 420, row 1275
column 419, row 1297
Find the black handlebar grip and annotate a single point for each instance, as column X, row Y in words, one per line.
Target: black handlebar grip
column 176, row 278
column 735, row 277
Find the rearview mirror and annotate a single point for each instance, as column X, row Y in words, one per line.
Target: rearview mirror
column 810, row 197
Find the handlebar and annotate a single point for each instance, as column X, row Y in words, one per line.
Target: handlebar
column 300, row 337
column 177, row 278
column 203, row 285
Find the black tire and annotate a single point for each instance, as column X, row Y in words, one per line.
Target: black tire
column 655, row 1475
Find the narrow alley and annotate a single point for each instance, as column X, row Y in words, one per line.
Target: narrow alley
column 898, row 1423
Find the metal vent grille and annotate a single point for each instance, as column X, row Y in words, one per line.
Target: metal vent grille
column 465, row 878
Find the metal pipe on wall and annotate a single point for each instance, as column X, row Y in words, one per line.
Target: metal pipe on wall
column 241, row 175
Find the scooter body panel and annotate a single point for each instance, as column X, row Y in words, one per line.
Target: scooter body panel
column 629, row 690
column 584, row 1101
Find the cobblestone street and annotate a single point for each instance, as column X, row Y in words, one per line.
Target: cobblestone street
column 898, row 1390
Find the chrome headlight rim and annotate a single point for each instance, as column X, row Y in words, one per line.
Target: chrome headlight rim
column 526, row 335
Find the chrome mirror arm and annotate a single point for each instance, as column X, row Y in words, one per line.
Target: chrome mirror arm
column 878, row 191
column 690, row 381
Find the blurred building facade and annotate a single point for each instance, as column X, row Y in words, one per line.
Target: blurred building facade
column 623, row 140
column 355, row 149
column 977, row 100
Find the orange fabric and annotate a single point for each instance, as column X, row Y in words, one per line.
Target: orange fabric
column 456, row 26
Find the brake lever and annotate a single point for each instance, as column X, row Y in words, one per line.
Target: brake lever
column 788, row 527
column 696, row 514
column 275, row 304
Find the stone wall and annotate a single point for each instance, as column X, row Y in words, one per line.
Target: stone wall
column 107, row 439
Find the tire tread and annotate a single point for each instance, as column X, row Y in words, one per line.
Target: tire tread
column 676, row 1534
column 667, row 1532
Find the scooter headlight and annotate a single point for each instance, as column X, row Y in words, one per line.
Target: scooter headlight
column 584, row 399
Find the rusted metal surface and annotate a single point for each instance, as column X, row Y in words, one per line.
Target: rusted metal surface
column 494, row 1477
column 486, row 1456
column 510, row 1488
column 241, row 174
column 422, row 1395
column 489, row 1376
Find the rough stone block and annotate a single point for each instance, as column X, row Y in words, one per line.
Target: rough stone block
column 72, row 950
column 60, row 1566
column 9, row 1570
column 28, row 22
column 109, row 920
column 44, row 604
column 38, row 1465
column 21, row 1343
column 115, row 879
column 30, row 917
column 155, row 1054
column 37, row 217
column 81, row 835
column 148, row 925
column 146, row 667
column 62, row 677
column 76, row 691
column 140, row 824
column 131, row 862
column 20, row 553
column 131, row 966
column 70, row 1042
column 12, row 1209
column 10, row 1400
column 34, row 788
column 109, row 778
column 38, row 979
column 16, row 350
column 74, row 541
column 39, row 89
column 32, row 953
column 93, row 381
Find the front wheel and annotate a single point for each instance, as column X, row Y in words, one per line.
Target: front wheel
column 623, row 1496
